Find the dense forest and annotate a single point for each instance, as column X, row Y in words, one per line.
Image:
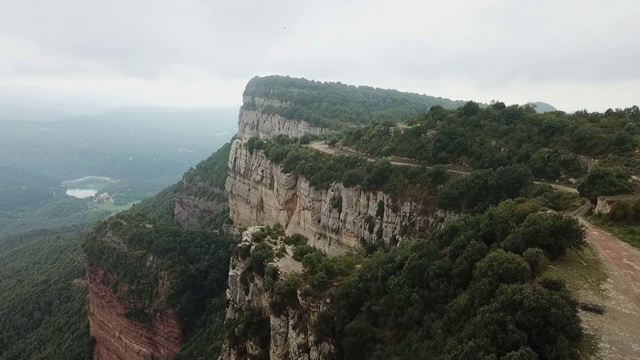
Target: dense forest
column 196, row 260
column 336, row 105
column 554, row 145
column 42, row 312
column 475, row 289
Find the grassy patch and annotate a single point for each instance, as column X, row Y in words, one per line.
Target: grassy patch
column 581, row 270
column 627, row 233
column 585, row 276
column 588, row 347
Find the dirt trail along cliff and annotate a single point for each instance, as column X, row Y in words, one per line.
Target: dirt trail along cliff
column 620, row 326
column 322, row 146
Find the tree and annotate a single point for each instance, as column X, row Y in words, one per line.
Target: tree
column 550, row 231
column 501, row 267
column 602, row 181
column 471, row 108
column 512, row 179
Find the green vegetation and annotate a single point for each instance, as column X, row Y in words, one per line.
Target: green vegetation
column 42, row 312
column 134, row 189
column 249, row 326
column 601, row 181
column 159, row 207
column 479, row 287
column 174, row 248
column 207, row 179
column 432, row 187
column 461, row 293
column 553, row 145
column 336, row 105
column 194, row 261
column 22, row 190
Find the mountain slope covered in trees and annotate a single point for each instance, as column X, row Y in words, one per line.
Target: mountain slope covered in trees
column 336, row 105
column 554, row 145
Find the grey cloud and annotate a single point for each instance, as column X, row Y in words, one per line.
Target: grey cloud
column 488, row 43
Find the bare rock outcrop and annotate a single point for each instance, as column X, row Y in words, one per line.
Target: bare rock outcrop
column 189, row 209
column 603, row 206
column 335, row 220
column 254, row 122
column 292, row 333
column 117, row 335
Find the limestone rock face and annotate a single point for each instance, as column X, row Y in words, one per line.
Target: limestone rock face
column 120, row 338
column 255, row 123
column 260, row 193
column 292, row 333
column 189, row 209
column 603, row 206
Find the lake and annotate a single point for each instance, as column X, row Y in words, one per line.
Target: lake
column 87, row 186
column 81, row 193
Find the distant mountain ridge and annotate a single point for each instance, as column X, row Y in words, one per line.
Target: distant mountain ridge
column 543, row 107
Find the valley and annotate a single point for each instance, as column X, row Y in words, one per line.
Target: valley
column 48, row 203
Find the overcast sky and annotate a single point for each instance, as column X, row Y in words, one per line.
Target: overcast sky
column 572, row 54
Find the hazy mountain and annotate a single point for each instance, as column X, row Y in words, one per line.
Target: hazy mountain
column 543, row 107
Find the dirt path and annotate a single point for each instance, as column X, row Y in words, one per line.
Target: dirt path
column 322, row 146
column 619, row 327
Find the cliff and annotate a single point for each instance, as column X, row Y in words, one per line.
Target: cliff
column 119, row 337
column 334, row 219
column 200, row 195
column 189, row 209
column 258, row 328
column 253, row 122
column 255, row 192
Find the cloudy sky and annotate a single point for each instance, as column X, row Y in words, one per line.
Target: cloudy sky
column 574, row 54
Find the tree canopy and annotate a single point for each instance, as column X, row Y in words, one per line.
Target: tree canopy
column 553, row 145
column 462, row 293
column 336, row 105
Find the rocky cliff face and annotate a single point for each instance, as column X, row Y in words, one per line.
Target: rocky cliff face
column 289, row 334
column 335, row 220
column 117, row 335
column 190, row 209
column 255, row 123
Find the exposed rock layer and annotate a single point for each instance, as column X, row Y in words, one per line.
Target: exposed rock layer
column 260, row 193
column 293, row 332
column 119, row 338
column 603, row 206
column 189, row 210
column 255, row 123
